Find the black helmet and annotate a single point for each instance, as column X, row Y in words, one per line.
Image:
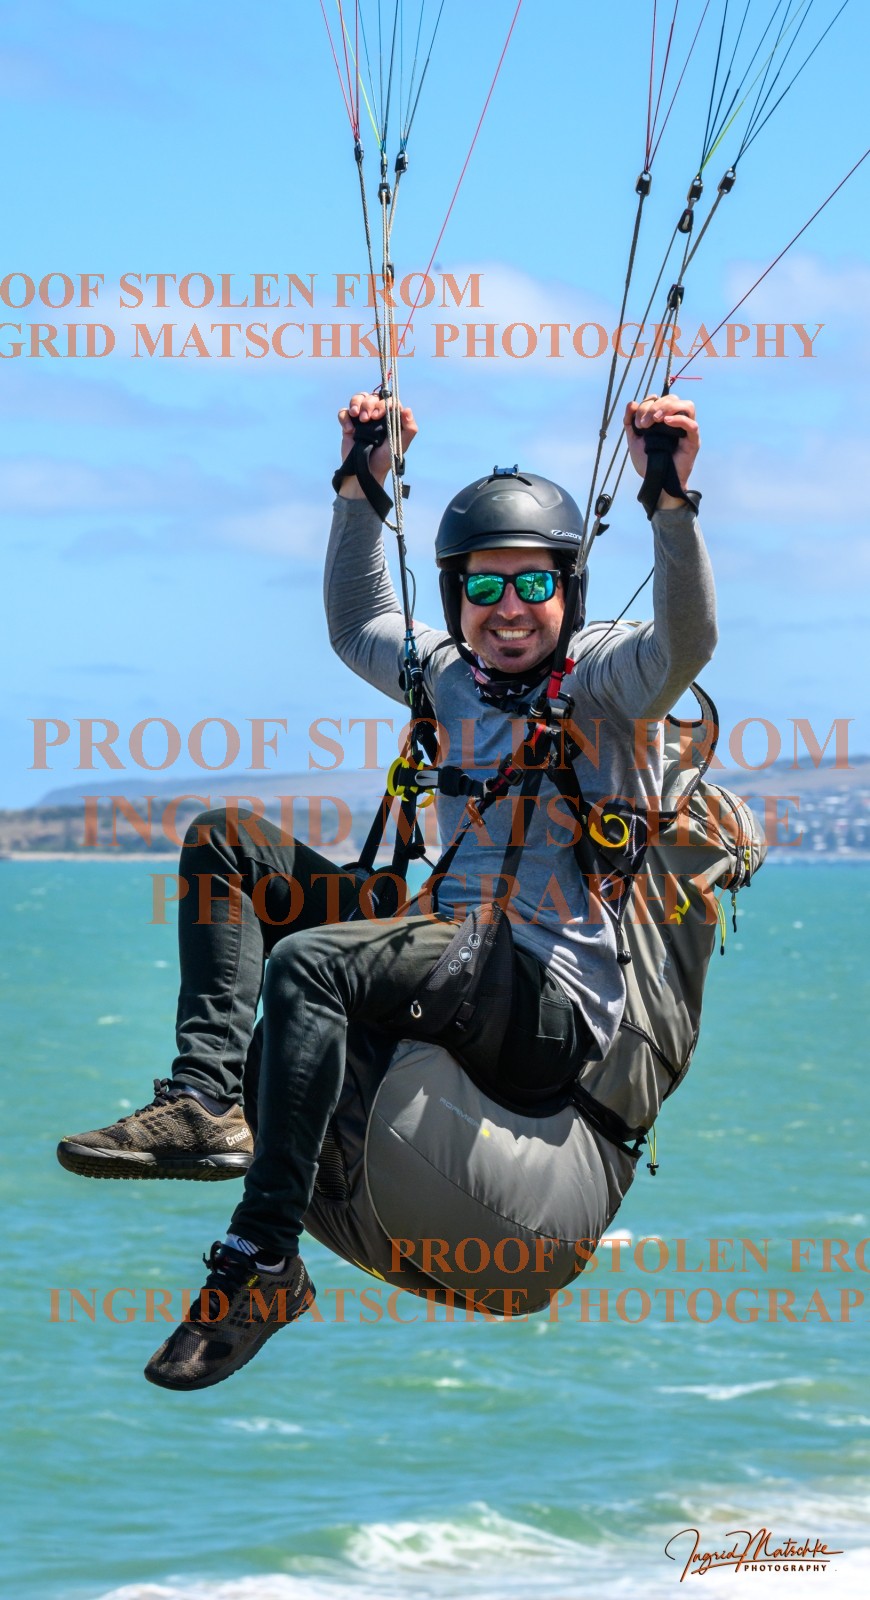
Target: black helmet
column 508, row 510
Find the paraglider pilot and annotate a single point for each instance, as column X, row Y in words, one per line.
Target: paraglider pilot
column 504, row 547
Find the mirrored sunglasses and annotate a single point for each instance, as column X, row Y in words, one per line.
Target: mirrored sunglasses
column 487, row 588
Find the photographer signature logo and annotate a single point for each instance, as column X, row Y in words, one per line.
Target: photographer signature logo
column 749, row 1552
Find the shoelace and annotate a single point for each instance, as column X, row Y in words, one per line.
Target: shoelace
column 164, row 1094
column 228, row 1270
column 228, row 1265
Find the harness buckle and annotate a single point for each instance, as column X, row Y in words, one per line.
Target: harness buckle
column 560, row 707
column 406, row 778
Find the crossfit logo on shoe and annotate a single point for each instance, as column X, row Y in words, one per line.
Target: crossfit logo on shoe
column 236, row 1138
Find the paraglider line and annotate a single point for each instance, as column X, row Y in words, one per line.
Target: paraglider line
column 753, row 132
column 652, row 64
column 347, row 103
column 777, row 259
column 651, row 122
column 652, row 154
column 416, row 304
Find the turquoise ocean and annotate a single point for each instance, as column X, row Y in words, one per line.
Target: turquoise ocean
column 426, row 1460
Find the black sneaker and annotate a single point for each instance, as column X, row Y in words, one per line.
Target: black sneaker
column 245, row 1305
column 176, row 1136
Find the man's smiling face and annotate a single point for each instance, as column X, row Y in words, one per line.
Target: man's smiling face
column 512, row 635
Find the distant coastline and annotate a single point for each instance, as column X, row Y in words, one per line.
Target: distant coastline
column 332, row 811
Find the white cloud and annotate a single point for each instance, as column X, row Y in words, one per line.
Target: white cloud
column 822, row 480
column 507, row 297
column 99, row 400
column 287, row 528
column 803, row 288
column 38, row 486
column 46, row 43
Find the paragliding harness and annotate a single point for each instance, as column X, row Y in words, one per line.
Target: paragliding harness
column 608, row 846
column 464, row 1004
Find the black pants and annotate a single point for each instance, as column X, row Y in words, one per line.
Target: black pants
column 250, row 897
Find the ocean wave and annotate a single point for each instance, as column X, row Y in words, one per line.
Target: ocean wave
column 485, row 1556
column 838, row 1514
column 617, row 1582
column 731, row 1391
column 469, row 1546
column 270, row 1587
column 262, row 1425
column 488, row 1556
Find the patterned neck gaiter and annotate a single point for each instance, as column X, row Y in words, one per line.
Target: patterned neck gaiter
column 506, row 690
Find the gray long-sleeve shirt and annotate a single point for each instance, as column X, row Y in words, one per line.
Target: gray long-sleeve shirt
column 633, row 675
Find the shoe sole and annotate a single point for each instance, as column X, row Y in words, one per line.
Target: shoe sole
column 88, row 1162
column 253, row 1349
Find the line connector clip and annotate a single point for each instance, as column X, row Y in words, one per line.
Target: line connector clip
column 601, row 508
column 696, row 190
column 675, row 296
column 644, row 183
column 727, row 183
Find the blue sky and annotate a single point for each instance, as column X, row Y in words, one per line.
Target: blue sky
column 165, row 519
